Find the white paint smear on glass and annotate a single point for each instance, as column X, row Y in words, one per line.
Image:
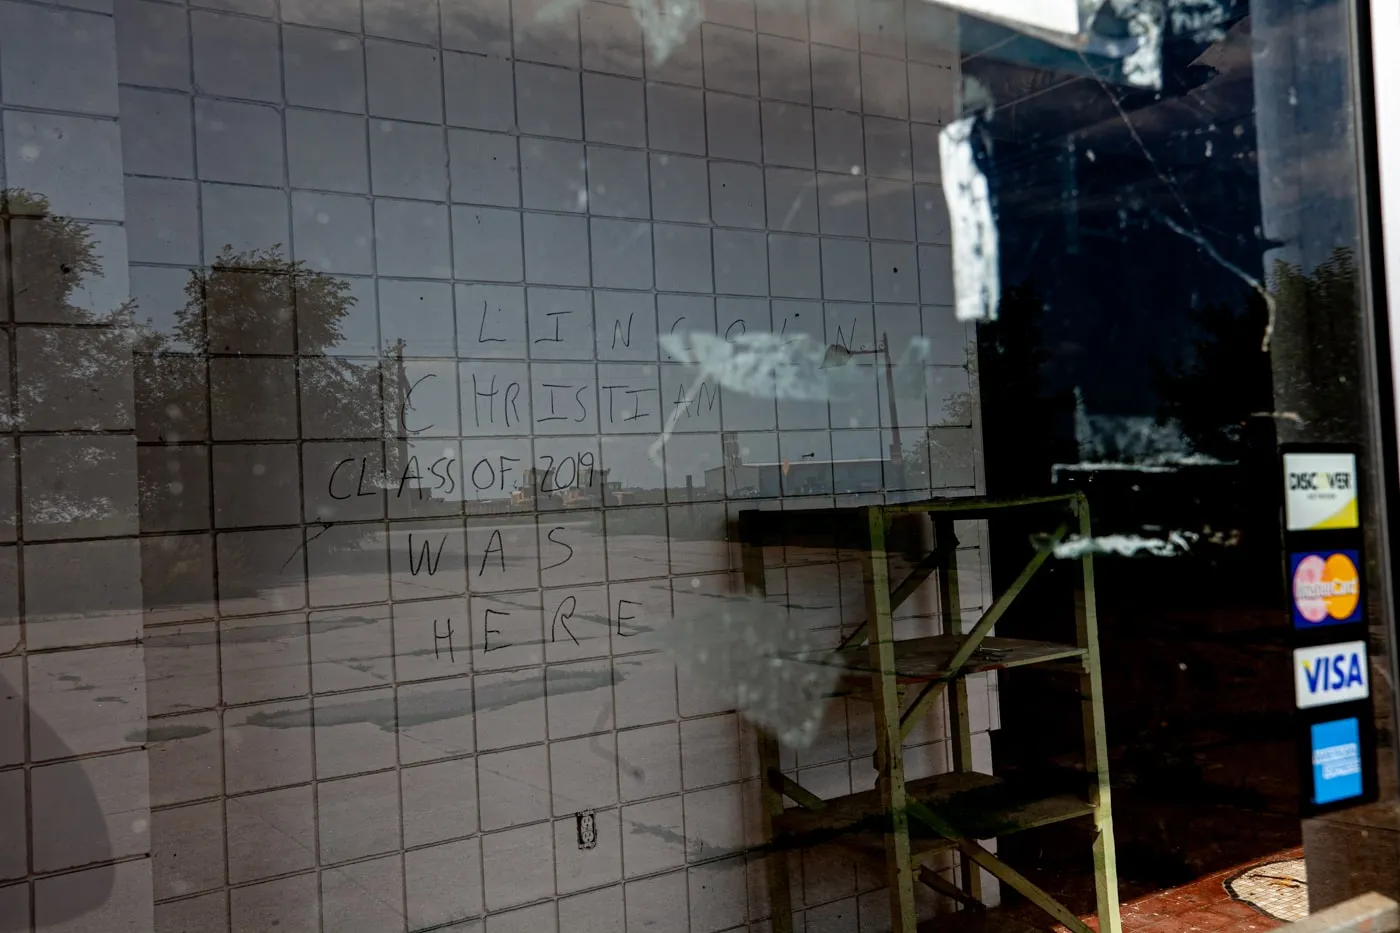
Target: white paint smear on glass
column 976, row 267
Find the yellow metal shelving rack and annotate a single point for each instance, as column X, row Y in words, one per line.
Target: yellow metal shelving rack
column 900, row 822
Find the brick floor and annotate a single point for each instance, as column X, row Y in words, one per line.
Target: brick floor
column 1203, row 906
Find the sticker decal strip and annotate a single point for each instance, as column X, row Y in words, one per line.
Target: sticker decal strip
column 1328, row 674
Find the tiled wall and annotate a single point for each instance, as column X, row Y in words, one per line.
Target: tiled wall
column 382, row 677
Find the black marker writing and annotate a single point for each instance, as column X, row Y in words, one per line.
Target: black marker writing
column 562, row 617
column 563, row 544
column 425, row 557
column 617, row 332
column 481, row 331
column 498, row 548
column 489, row 631
column 556, row 338
column 621, row 618
column 443, row 636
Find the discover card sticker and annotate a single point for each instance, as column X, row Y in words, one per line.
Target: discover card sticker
column 1320, row 491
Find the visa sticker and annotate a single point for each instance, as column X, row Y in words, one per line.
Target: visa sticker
column 1327, row 674
column 1325, row 588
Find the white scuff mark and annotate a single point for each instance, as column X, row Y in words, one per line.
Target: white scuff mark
column 1291, row 416
column 1229, row 266
column 766, row 365
column 976, row 266
column 1142, row 67
column 58, row 509
column 1174, row 544
column 750, row 655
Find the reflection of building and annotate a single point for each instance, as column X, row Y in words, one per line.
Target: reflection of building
column 798, row 477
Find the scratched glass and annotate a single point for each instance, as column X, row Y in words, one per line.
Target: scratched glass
column 606, row 465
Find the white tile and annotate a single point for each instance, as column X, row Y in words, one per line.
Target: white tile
column 236, row 57
column 495, row 400
column 490, row 324
column 186, row 759
column 583, row 773
column 579, row 866
column 332, row 233
column 888, row 150
column 732, row 127
column 787, row 134
column 89, row 810
column 162, row 220
column 785, row 72
column 358, row 816
column 263, row 658
column 932, row 93
column 260, row 8
column 480, row 90
column 350, row 649
column 841, row 200
column 364, row 897
column 431, row 639
column 254, row 573
column 683, row 64
column 81, row 593
column 487, row 244
column 840, row 145
column 203, row 912
column 655, row 905
column 895, row 269
column 354, row 732
column 625, row 323
column 70, row 707
column 271, row 833
column 407, row 160
column 710, row 751
column 676, row 119
column 106, row 898
column 645, row 689
column 552, row 175
column 56, row 59
column 74, row 161
column 653, row 836
column 405, row 81
column 255, row 484
column 510, row 709
column 407, row 20
column 556, row 250
column 931, row 214
column 891, row 206
column 502, row 551
column 153, row 44
column 884, row 86
column 412, row 239
column 545, row 34
column 77, row 486
column 614, row 110
column 731, row 59
column 792, row 206
column 835, row 78
column 741, row 263
column 157, row 133
column 845, row 270
column 519, row 865
column 439, row 801
column 597, row 911
column 834, row 22
column 935, row 275
column 286, row 904
column 428, row 560
column 324, row 69
column 187, row 849
column 683, row 259
column 514, row 787
column 242, row 219
column 617, row 182
column 718, row 895
column 679, row 189
column 435, row 720
column 443, row 883
column 327, row 151
column 927, row 169
column 579, row 698
column 714, row 821
column 548, row 101
column 621, row 253
column 540, row 918
column 736, row 194
column 611, row 40
column 328, row 13
column 477, row 27
column 484, row 168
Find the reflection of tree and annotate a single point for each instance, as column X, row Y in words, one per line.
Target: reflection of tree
column 254, row 305
column 1228, row 395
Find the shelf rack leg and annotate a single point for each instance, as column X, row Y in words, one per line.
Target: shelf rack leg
column 960, row 724
column 769, row 759
column 1095, row 736
column 889, row 750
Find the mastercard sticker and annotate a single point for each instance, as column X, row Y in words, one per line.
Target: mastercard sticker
column 1326, row 588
